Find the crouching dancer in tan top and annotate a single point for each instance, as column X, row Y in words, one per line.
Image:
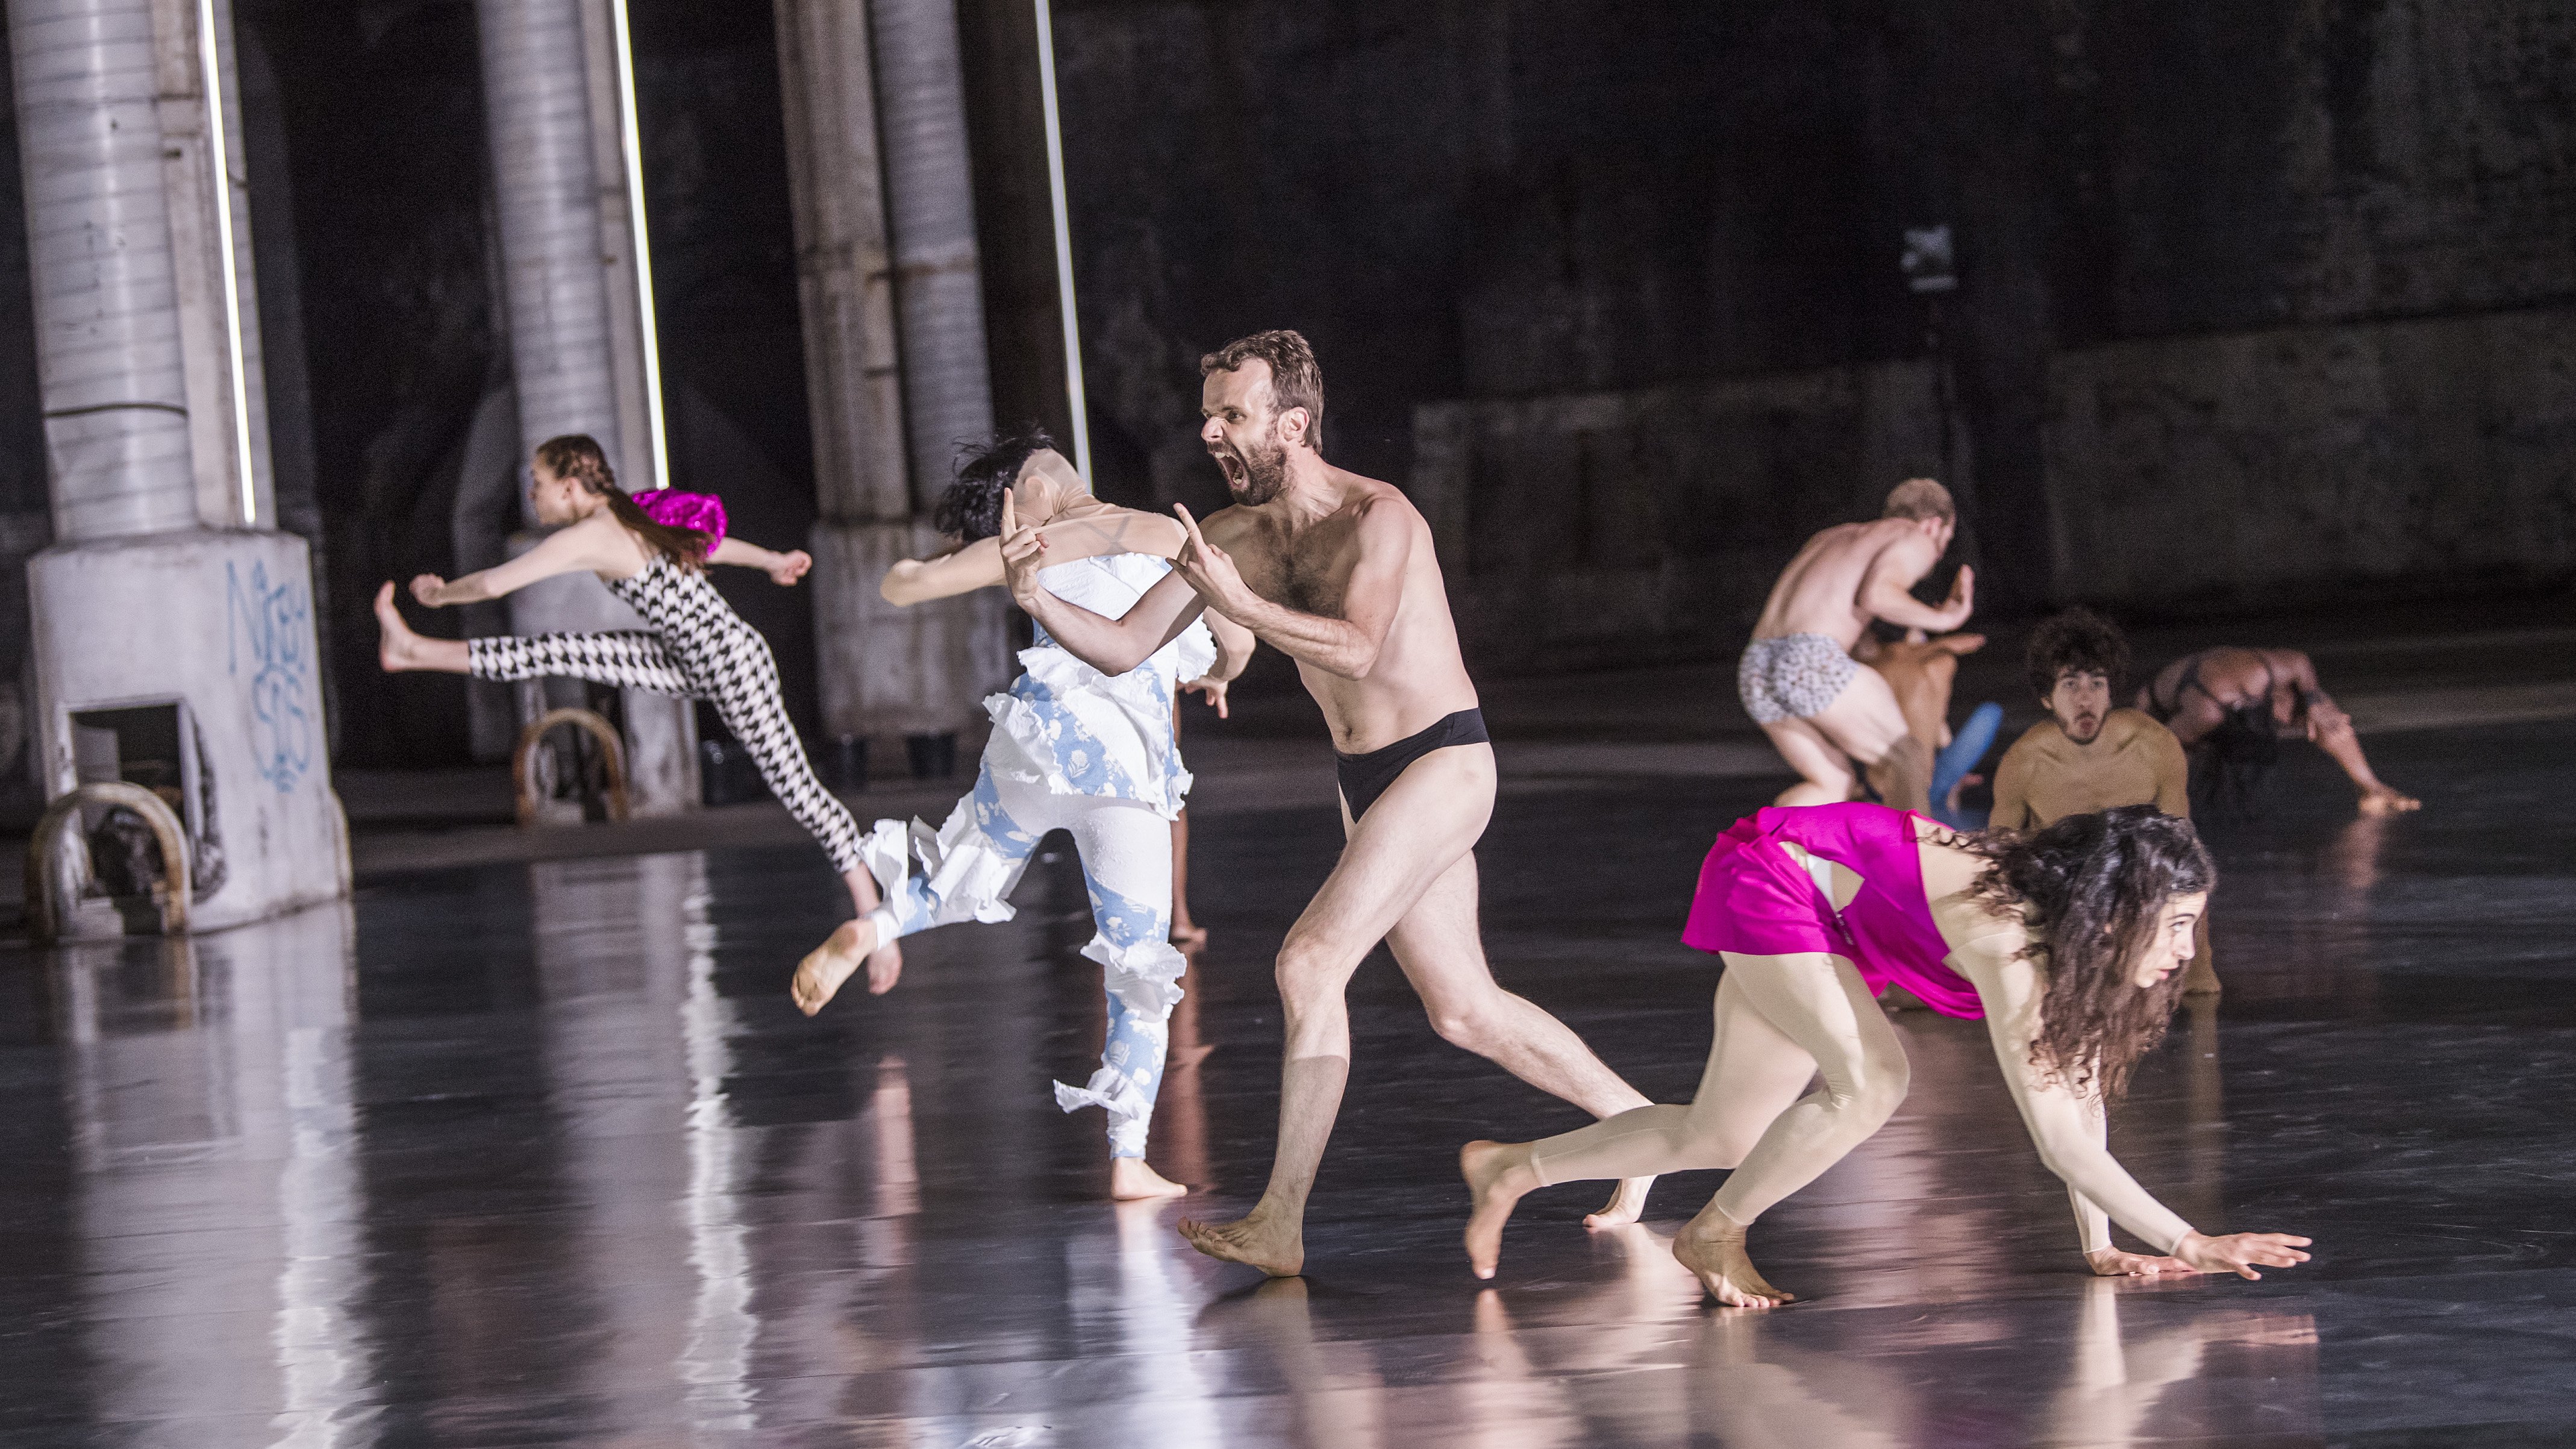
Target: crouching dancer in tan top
column 2086, row 756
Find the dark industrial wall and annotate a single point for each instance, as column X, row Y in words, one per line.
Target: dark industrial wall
column 2260, row 303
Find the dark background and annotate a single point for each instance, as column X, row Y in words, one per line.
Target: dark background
column 2262, row 304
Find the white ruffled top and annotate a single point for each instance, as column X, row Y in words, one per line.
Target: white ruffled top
column 1078, row 731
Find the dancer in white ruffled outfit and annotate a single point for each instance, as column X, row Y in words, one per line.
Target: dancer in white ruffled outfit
column 1072, row 749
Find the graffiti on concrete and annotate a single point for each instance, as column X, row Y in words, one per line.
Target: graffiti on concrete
column 268, row 631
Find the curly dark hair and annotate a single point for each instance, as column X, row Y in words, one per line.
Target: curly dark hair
column 2231, row 764
column 2089, row 889
column 972, row 506
column 2077, row 641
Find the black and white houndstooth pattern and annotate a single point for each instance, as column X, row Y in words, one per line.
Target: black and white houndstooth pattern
column 700, row 648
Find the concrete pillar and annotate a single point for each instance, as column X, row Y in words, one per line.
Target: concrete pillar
column 173, row 632
column 889, row 400
column 576, row 354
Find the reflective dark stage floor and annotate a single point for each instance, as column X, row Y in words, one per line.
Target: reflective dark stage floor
column 541, row 1154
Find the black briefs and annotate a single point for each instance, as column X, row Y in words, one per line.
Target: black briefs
column 1365, row 777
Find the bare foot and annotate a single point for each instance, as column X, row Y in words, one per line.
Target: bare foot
column 1627, row 1204
column 1498, row 1176
column 819, row 976
column 1188, row 935
column 397, row 647
column 1130, row 1180
column 2381, row 801
column 1719, row 1261
column 1277, row 1251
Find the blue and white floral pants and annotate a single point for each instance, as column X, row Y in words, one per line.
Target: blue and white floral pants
column 971, row 864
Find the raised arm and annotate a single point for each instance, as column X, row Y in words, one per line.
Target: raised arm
column 1112, row 646
column 1347, row 646
column 2073, row 1142
column 596, row 544
column 1886, row 593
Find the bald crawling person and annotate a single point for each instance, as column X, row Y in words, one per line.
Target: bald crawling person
column 2087, row 756
column 1823, row 712
column 1336, row 571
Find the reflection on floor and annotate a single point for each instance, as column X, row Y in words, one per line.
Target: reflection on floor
column 540, row 1154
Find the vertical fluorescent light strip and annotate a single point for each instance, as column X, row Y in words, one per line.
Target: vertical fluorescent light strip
column 631, row 143
column 221, row 147
column 1063, row 247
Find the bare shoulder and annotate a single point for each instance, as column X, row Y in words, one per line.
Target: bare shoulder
column 1117, row 530
column 2127, row 725
column 1374, row 501
column 2033, row 740
column 1896, row 539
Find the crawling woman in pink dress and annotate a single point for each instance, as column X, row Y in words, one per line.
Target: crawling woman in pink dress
column 2069, row 941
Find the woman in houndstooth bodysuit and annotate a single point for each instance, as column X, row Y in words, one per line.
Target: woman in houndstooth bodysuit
column 651, row 551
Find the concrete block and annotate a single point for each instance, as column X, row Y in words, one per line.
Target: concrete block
column 222, row 623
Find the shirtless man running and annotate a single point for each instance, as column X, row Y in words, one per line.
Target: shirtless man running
column 1798, row 680
column 1336, row 571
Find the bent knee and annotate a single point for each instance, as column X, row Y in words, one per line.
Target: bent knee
column 1307, row 975
column 1871, row 1102
column 1470, row 1025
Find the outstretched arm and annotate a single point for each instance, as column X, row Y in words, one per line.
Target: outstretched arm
column 1112, row 646
column 594, row 544
column 1347, row 646
column 911, row 581
column 2069, row 1132
column 783, row 568
column 978, row 565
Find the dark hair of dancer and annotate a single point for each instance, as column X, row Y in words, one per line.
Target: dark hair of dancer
column 1920, row 498
column 1295, row 380
column 2090, row 888
column 578, row 456
column 2230, row 764
column 2078, row 641
column 972, row 506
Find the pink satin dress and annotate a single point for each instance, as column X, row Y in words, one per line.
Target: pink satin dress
column 1755, row 900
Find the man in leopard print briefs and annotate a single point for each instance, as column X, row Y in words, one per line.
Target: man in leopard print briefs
column 1798, row 680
